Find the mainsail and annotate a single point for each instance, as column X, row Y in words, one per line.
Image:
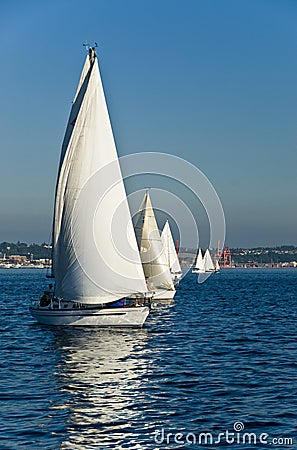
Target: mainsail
column 169, row 249
column 217, row 265
column 94, row 262
column 152, row 252
column 200, row 262
column 208, row 264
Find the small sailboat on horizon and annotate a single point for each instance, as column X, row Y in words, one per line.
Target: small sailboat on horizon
column 217, row 265
column 96, row 283
column 199, row 263
column 205, row 264
column 208, row 263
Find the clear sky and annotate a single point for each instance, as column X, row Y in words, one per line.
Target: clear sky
column 212, row 81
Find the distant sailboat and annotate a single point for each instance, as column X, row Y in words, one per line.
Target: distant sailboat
column 208, row 263
column 95, row 284
column 199, row 264
column 170, row 252
column 153, row 257
column 217, row 266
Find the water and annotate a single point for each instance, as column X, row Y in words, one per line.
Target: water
column 224, row 353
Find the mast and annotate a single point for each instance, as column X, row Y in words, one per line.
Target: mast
column 76, row 105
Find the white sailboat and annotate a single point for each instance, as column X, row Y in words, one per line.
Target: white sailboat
column 153, row 257
column 96, row 283
column 208, row 263
column 199, row 264
column 171, row 254
column 217, row 266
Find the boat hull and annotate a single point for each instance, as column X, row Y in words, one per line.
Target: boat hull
column 107, row 317
column 164, row 295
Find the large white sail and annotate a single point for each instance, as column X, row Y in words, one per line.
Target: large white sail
column 169, row 249
column 94, row 262
column 152, row 252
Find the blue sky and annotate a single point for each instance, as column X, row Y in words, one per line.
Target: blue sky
column 214, row 82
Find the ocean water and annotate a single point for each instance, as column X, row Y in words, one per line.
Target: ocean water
column 222, row 358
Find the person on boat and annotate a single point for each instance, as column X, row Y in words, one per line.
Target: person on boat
column 50, row 291
column 47, row 296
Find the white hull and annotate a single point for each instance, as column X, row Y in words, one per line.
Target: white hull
column 164, row 295
column 103, row 317
column 204, row 271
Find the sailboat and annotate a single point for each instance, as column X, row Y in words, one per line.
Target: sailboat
column 199, row 264
column 217, row 266
column 153, row 257
column 171, row 254
column 208, row 263
column 96, row 265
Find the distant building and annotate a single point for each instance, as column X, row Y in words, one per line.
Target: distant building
column 17, row 259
